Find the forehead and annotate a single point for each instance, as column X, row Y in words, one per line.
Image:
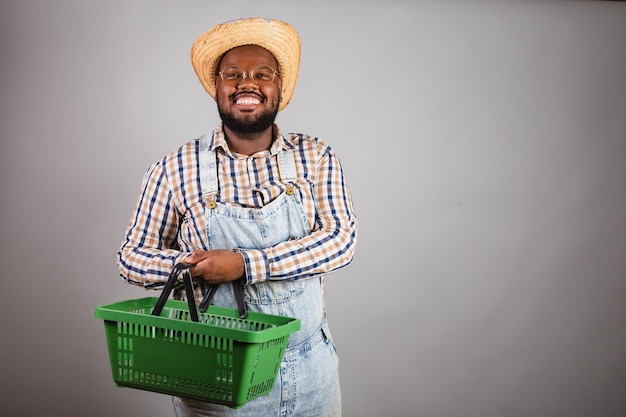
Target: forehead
column 248, row 55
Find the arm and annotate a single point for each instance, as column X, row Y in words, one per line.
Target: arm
column 149, row 250
column 328, row 247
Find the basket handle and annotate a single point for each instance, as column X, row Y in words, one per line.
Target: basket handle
column 169, row 286
column 206, row 300
column 241, row 305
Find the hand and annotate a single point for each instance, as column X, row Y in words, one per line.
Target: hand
column 216, row 266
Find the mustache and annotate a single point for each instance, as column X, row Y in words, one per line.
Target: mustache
column 247, row 93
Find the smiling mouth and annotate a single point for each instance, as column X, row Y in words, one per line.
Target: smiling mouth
column 247, row 101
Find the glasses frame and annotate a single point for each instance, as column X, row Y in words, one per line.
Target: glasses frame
column 249, row 75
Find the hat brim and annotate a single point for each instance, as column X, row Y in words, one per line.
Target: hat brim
column 279, row 38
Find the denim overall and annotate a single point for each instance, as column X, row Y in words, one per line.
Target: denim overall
column 307, row 383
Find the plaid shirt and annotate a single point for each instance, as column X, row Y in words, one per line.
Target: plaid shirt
column 168, row 220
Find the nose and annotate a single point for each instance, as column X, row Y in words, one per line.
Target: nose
column 247, row 83
column 247, row 76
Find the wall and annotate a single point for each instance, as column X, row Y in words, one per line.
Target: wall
column 484, row 143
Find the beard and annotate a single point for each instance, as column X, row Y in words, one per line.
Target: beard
column 249, row 124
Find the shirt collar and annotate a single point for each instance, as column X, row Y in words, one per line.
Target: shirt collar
column 219, row 141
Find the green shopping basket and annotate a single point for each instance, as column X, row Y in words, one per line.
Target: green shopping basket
column 220, row 355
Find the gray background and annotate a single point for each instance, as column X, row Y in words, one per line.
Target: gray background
column 485, row 145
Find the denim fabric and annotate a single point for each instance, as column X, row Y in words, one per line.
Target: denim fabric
column 308, row 381
column 306, row 386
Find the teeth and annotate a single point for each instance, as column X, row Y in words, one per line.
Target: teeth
column 248, row 101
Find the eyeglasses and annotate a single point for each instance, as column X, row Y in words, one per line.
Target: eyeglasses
column 263, row 74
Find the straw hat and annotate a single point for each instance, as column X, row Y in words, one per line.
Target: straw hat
column 278, row 37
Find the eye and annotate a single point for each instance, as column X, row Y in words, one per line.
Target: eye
column 231, row 74
column 264, row 75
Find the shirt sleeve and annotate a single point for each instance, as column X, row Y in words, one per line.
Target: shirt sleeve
column 328, row 247
column 149, row 250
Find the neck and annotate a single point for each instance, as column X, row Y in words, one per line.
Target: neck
column 249, row 143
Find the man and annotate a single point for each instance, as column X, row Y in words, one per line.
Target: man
column 253, row 205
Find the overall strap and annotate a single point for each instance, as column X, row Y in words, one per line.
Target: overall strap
column 208, row 169
column 287, row 165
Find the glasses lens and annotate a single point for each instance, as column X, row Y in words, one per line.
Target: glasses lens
column 232, row 74
column 263, row 74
